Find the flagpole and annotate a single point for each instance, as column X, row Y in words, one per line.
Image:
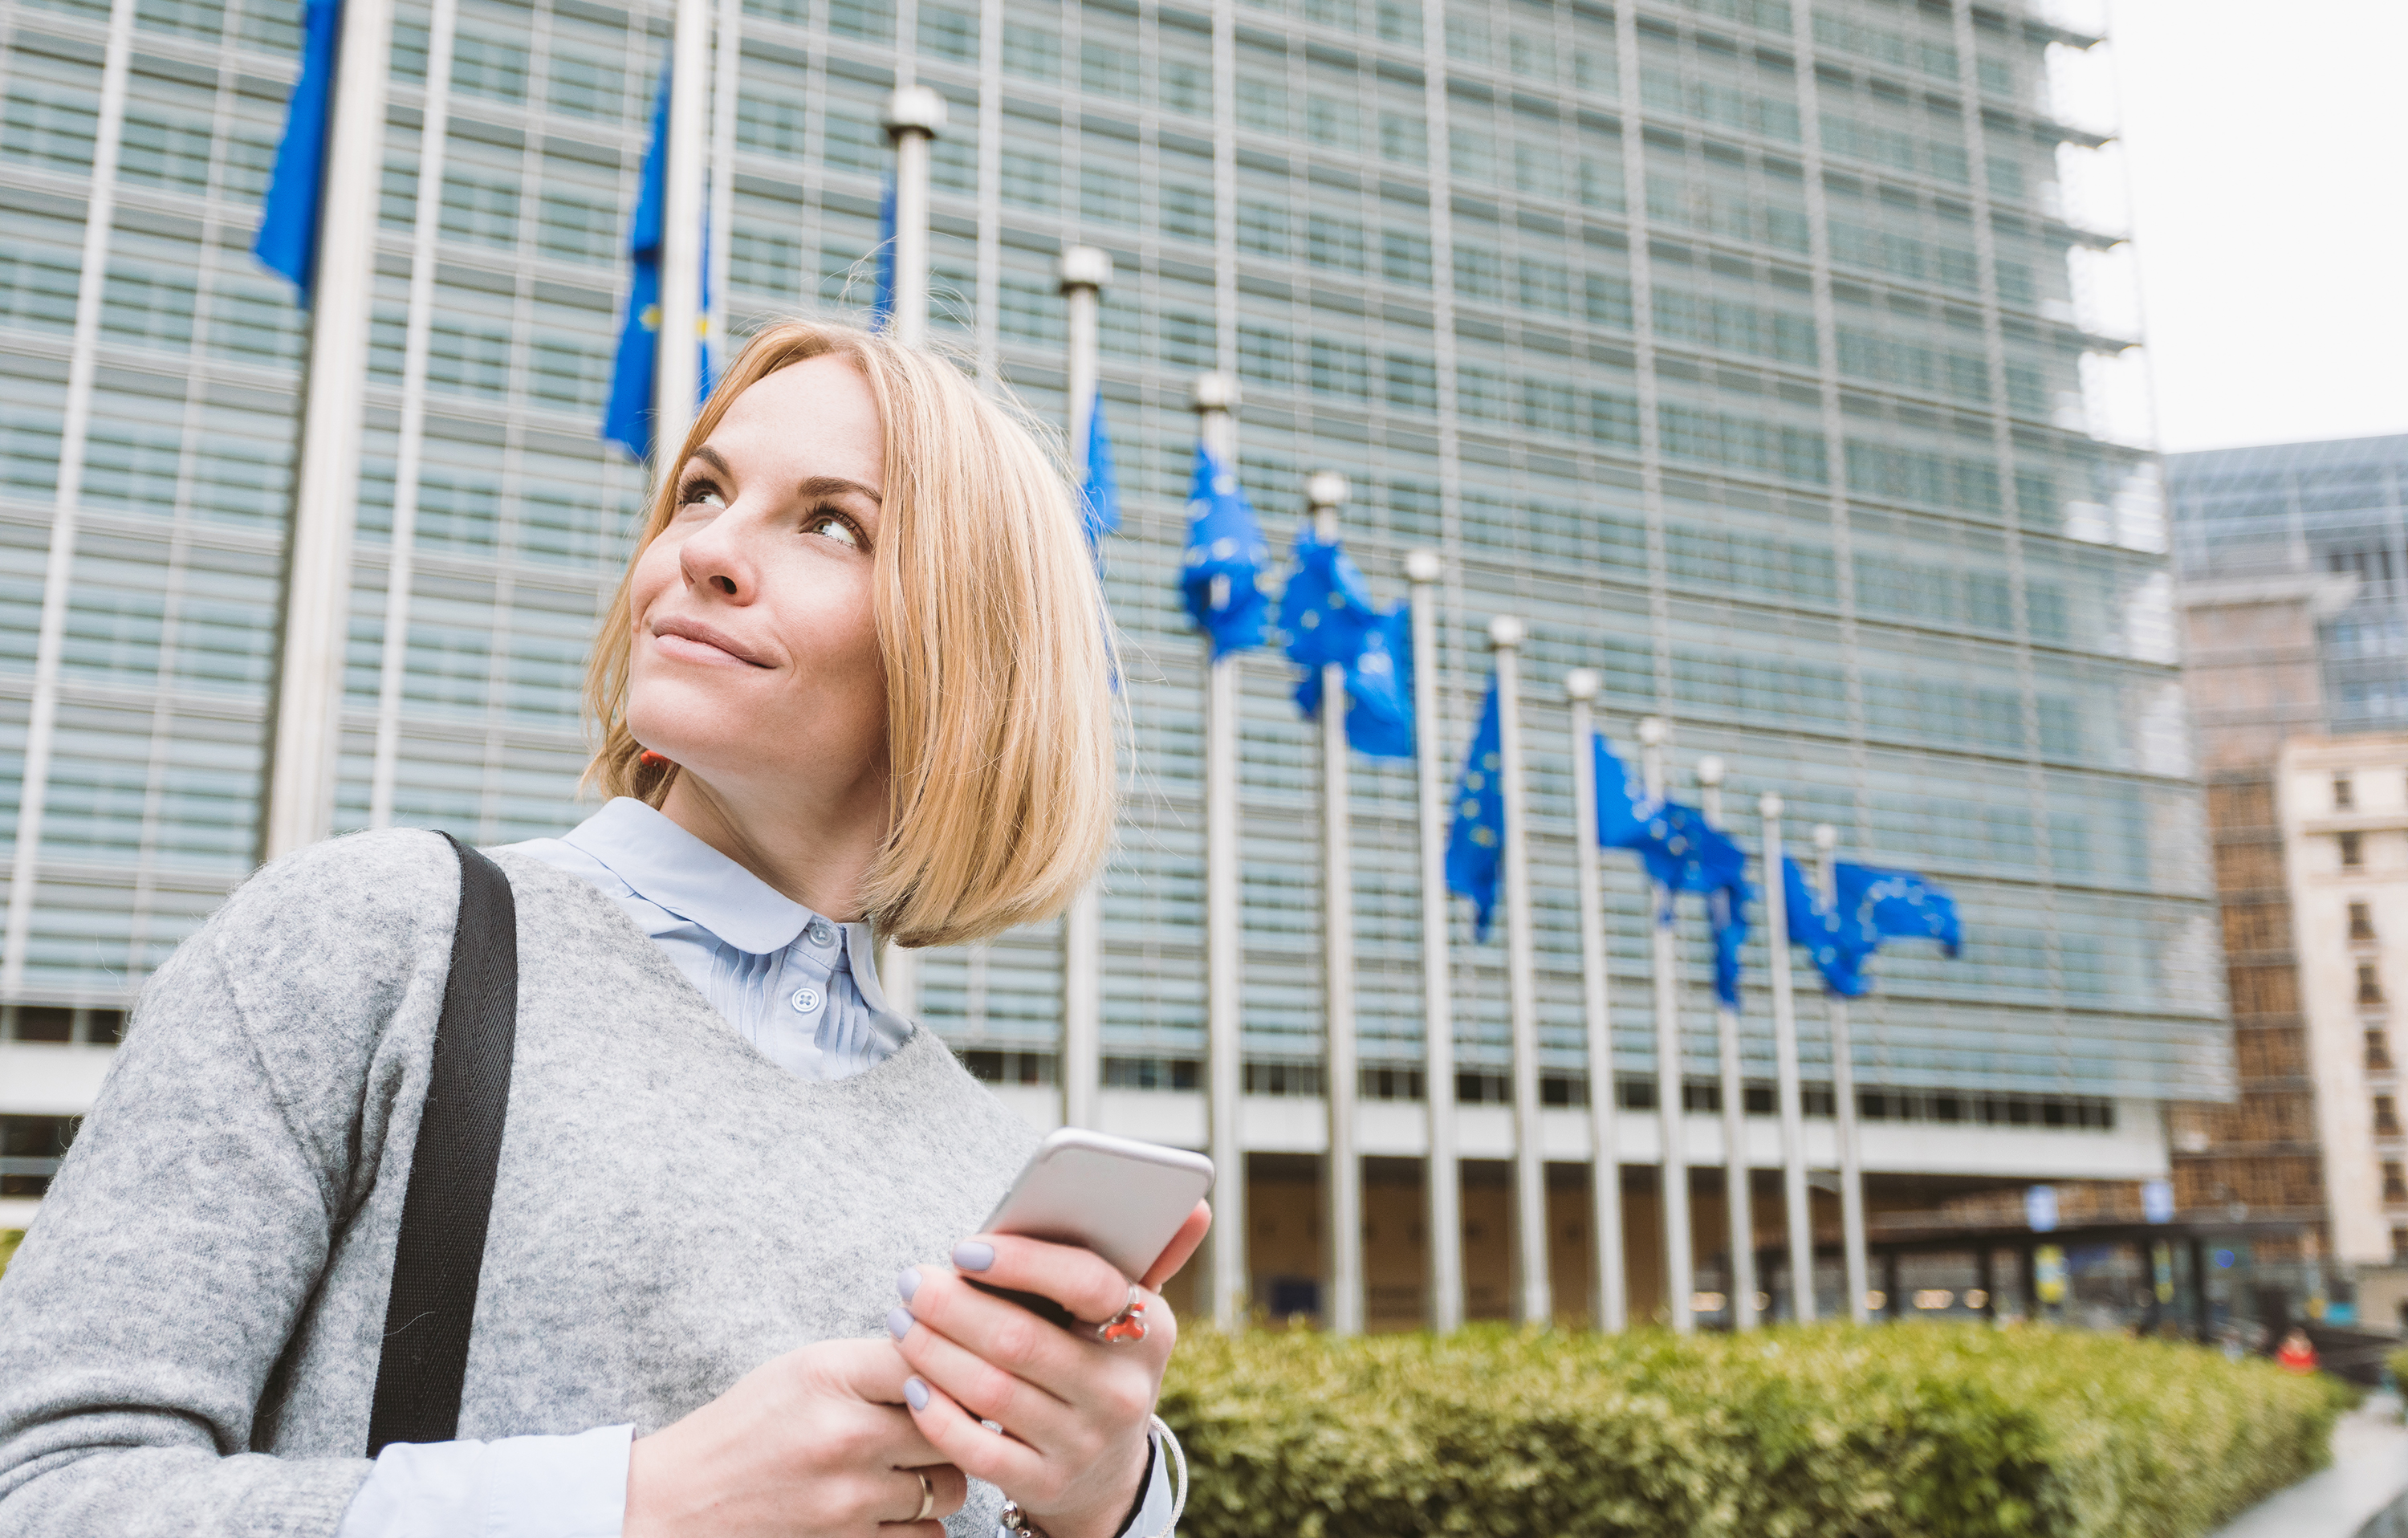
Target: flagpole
column 1325, row 492
column 1739, row 1194
column 718, row 247
column 1083, row 271
column 676, row 376
column 1213, row 398
column 1843, row 1100
column 1609, row 1302
column 1679, row 1262
column 914, row 116
column 1795, row 1204
column 1442, row 1189
column 1505, row 637
column 325, row 496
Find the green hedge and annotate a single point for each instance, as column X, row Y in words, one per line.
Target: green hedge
column 1929, row 1430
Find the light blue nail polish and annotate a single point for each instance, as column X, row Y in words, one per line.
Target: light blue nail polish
column 899, row 1322
column 915, row 1393
column 973, row 1255
column 907, row 1282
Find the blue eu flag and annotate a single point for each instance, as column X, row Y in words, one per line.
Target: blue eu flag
column 1379, row 689
column 1897, row 905
column 1102, row 491
column 1476, row 846
column 1682, row 853
column 882, row 302
column 1685, row 853
column 288, row 224
column 627, row 421
column 1726, row 912
column 1326, row 607
column 1220, row 578
column 1622, row 806
column 1839, row 949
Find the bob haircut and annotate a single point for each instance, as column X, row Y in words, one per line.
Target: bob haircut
column 998, row 655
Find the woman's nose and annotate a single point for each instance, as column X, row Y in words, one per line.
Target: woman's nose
column 716, row 559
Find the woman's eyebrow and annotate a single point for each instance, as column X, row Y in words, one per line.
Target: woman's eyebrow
column 713, row 458
column 831, row 485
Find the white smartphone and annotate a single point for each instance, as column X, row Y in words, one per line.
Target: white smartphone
column 1123, row 1198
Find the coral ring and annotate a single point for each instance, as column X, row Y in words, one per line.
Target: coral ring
column 1127, row 1325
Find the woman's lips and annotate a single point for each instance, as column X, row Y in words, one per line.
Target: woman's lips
column 690, row 641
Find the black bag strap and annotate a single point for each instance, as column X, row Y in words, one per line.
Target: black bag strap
column 451, row 1195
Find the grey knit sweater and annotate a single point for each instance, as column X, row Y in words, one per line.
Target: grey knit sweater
column 189, row 1334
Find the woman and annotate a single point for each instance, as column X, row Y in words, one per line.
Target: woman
column 854, row 681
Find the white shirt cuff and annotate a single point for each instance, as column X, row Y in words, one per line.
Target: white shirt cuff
column 521, row 1487
column 1154, row 1512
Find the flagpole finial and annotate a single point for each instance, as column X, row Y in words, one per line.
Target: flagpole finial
column 1506, row 631
column 1827, row 838
column 1213, row 392
column 913, row 109
column 1582, row 684
column 1767, row 805
column 1325, row 489
column 1710, row 770
column 1084, row 267
column 1652, row 731
column 1421, row 565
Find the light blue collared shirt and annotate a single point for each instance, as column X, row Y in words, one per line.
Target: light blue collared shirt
column 802, row 989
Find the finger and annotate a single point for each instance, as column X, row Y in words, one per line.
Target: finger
column 1183, row 1244
column 1082, row 1281
column 998, row 1331
column 947, row 1488
column 989, row 1390
column 982, row 1454
column 871, row 1371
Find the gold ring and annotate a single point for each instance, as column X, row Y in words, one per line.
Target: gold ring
column 927, row 1497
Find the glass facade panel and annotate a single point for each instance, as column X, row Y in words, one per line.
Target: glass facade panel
column 1745, row 378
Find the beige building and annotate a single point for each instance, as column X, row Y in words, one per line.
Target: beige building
column 2291, row 574
column 2343, row 808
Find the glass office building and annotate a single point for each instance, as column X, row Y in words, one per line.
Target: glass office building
column 1740, row 346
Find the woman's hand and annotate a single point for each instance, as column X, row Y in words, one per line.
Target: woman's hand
column 814, row 1443
column 1074, row 1411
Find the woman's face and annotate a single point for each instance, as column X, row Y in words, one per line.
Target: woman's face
column 755, row 652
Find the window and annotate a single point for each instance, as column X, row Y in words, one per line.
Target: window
column 2395, row 1181
column 2344, row 794
column 2353, row 852
column 2386, row 1116
column 2361, row 921
column 2370, row 985
column 2378, row 1052
column 33, row 1147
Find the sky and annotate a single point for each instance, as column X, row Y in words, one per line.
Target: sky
column 2267, row 152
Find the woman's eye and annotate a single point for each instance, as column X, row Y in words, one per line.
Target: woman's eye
column 702, row 494
column 834, row 527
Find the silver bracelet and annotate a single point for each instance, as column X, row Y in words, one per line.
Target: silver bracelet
column 1015, row 1521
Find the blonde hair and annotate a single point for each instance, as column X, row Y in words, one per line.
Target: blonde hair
column 995, row 637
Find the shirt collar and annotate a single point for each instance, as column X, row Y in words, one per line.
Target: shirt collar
column 668, row 867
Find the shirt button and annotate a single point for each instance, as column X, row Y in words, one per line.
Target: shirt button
column 806, row 1000
column 820, row 932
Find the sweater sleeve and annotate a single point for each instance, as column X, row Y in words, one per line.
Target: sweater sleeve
column 143, row 1319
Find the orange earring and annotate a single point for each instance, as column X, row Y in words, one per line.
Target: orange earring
column 651, row 759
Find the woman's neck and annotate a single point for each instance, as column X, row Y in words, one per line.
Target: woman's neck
column 814, row 852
